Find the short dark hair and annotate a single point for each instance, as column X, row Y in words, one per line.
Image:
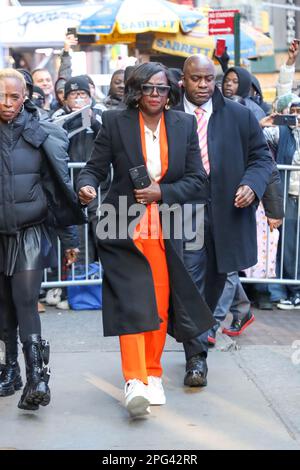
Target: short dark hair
column 140, row 75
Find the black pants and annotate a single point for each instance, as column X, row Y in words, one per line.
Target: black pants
column 202, row 266
column 18, row 303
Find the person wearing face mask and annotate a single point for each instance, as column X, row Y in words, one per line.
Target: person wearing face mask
column 77, row 95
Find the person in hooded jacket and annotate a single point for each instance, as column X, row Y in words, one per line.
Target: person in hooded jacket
column 35, row 191
column 257, row 96
column 237, row 82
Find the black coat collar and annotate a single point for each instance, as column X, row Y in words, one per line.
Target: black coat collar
column 217, row 99
column 128, row 121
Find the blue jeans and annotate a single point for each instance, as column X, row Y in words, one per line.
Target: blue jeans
column 234, row 300
column 279, row 291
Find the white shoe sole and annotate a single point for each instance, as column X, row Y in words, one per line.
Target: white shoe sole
column 158, row 402
column 138, row 406
column 286, row 307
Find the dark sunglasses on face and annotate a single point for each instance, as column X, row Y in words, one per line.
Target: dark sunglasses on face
column 161, row 90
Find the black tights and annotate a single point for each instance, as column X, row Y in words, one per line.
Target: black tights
column 18, row 303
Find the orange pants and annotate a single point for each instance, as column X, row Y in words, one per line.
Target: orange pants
column 141, row 353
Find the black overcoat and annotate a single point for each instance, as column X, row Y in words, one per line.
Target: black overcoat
column 238, row 155
column 129, row 304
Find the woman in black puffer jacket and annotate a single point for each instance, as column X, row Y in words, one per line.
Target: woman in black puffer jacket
column 34, row 189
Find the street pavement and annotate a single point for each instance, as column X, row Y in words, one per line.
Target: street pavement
column 251, row 402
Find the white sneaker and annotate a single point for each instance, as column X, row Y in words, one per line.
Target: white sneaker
column 156, row 391
column 63, row 305
column 53, row 296
column 136, row 398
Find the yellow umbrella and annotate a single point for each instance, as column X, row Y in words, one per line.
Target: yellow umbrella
column 253, row 42
column 118, row 21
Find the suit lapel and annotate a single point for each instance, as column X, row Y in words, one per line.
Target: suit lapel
column 129, row 128
column 128, row 122
column 175, row 139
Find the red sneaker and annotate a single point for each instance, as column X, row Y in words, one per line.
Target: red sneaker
column 238, row 326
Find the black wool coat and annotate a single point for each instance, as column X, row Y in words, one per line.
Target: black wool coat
column 129, row 304
column 238, row 155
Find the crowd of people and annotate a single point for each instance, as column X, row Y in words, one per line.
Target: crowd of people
column 197, row 141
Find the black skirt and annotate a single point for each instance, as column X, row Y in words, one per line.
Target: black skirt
column 29, row 249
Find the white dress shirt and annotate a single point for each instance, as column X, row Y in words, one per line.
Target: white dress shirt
column 190, row 107
column 152, row 142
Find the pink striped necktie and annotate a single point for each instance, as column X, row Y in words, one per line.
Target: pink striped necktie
column 202, row 124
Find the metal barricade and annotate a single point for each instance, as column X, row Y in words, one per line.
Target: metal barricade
column 59, row 282
column 71, row 278
column 285, row 170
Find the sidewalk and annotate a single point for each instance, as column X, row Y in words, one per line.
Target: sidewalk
column 251, row 402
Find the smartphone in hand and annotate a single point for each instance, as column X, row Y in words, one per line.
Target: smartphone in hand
column 285, row 120
column 220, row 47
column 72, row 31
column 140, row 177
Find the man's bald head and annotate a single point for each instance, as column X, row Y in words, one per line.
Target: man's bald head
column 199, row 75
column 199, row 60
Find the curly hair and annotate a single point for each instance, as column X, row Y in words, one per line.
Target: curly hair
column 141, row 75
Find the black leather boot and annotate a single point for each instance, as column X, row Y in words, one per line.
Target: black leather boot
column 36, row 391
column 10, row 377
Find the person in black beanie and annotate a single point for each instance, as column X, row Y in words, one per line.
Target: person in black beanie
column 78, row 95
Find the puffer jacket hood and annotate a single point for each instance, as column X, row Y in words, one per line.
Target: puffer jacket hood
column 245, row 81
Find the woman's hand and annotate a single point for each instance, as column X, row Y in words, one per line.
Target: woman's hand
column 148, row 195
column 274, row 223
column 87, row 194
column 71, row 255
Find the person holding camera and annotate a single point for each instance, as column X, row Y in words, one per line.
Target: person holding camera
column 144, row 273
column 282, row 132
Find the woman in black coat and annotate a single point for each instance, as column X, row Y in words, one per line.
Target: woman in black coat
column 35, row 189
column 147, row 134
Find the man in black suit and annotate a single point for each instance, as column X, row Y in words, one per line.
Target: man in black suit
column 239, row 165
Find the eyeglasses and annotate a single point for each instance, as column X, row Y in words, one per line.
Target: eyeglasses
column 161, row 90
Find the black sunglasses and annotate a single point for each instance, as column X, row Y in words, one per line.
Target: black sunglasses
column 162, row 90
